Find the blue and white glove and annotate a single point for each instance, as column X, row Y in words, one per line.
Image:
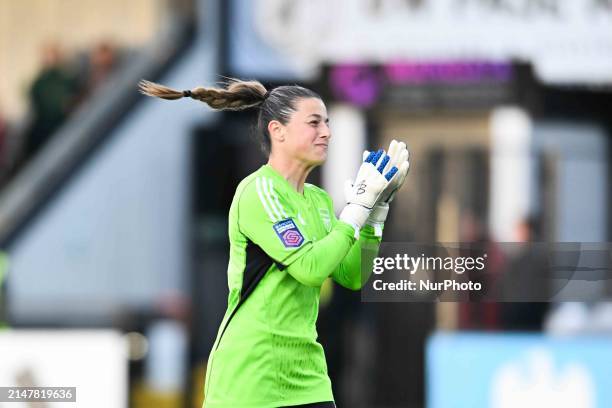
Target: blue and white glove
column 396, row 156
column 373, row 178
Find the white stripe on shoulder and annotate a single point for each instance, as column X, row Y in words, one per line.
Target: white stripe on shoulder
column 258, row 182
column 280, row 206
column 266, row 189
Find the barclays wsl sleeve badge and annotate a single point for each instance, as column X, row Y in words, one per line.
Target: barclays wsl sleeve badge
column 289, row 234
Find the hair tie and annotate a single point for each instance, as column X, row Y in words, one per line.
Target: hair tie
column 267, row 94
column 187, row 93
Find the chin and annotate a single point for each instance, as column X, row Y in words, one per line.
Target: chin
column 315, row 158
column 319, row 160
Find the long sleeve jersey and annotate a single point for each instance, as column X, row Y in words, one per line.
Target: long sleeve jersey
column 283, row 246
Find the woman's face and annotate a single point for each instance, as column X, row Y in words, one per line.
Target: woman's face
column 307, row 134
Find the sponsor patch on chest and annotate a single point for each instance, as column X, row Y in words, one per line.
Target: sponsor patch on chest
column 288, row 233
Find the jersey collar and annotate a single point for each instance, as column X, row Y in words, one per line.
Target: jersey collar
column 277, row 176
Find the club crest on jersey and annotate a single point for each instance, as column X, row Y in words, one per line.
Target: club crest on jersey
column 289, row 234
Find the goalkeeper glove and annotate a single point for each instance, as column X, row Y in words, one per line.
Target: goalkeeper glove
column 397, row 156
column 373, row 178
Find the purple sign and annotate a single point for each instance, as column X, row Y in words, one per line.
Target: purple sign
column 362, row 84
column 358, row 84
column 447, row 72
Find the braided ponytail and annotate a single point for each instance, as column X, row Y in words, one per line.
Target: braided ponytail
column 237, row 95
column 277, row 104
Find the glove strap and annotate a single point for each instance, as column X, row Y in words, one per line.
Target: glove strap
column 378, row 217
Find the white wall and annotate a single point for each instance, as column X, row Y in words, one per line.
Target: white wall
column 511, row 176
column 348, row 141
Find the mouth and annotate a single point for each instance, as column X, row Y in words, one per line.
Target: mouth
column 322, row 145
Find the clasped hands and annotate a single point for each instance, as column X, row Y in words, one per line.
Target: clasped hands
column 379, row 177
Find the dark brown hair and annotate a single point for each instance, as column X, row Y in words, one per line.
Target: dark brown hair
column 276, row 104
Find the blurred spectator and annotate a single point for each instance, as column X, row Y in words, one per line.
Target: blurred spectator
column 53, row 95
column 102, row 60
column 476, row 314
column 526, row 279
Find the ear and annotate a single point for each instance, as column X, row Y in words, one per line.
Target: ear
column 276, row 131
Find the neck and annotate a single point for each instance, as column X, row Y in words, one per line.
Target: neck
column 295, row 172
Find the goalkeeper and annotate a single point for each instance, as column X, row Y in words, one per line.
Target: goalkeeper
column 285, row 241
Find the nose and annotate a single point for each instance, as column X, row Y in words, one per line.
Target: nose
column 326, row 132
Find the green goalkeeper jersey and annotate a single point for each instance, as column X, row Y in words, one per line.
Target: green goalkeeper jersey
column 283, row 245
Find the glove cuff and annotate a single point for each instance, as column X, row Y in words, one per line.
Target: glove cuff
column 377, row 217
column 355, row 215
column 379, row 214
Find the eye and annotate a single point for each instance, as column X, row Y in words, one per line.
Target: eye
column 314, row 122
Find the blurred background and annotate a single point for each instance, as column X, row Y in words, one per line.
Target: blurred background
column 113, row 206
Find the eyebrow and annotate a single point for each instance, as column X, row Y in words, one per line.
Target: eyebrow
column 318, row 116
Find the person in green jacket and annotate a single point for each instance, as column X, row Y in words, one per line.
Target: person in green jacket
column 285, row 241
